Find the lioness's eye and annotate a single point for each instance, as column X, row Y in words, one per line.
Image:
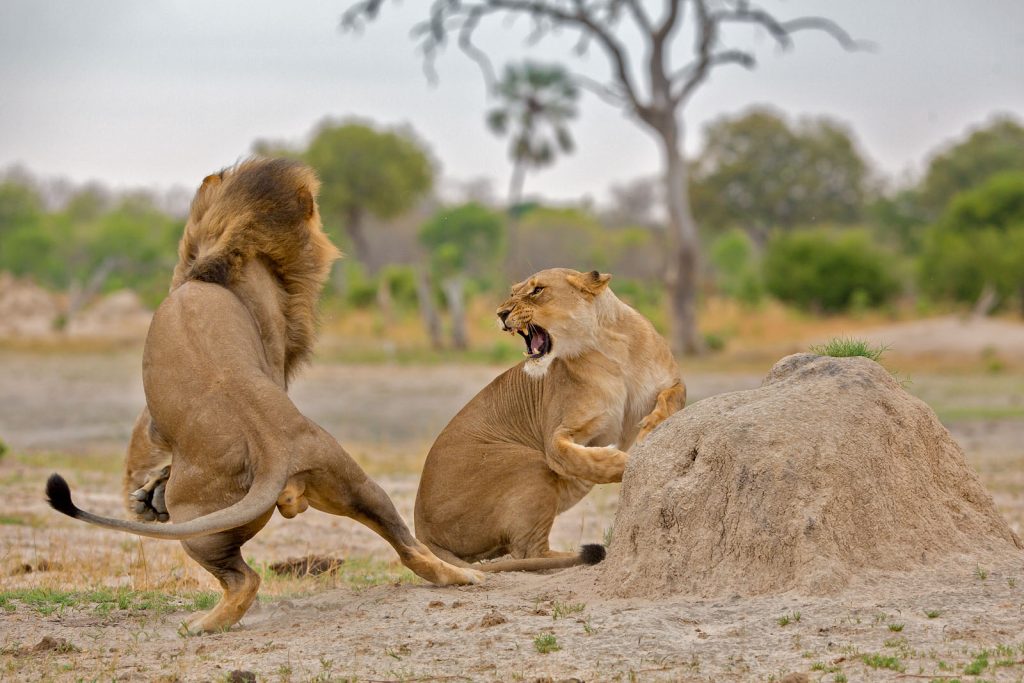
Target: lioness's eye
column 537, row 290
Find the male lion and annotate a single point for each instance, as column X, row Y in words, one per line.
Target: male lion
column 221, row 348
column 537, row 438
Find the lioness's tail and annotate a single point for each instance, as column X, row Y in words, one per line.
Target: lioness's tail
column 591, row 553
column 260, row 498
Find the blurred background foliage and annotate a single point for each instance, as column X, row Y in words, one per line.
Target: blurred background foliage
column 790, row 209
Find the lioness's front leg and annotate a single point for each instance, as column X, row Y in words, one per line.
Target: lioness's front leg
column 599, row 464
column 670, row 401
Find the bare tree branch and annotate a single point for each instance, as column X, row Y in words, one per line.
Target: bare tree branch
column 640, row 16
column 781, row 30
column 358, row 15
column 744, row 59
column 707, row 36
column 606, row 92
column 472, row 51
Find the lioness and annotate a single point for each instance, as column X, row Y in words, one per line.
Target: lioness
column 220, row 351
column 533, row 442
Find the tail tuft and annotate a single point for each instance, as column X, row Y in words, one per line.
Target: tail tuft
column 58, row 495
column 591, row 553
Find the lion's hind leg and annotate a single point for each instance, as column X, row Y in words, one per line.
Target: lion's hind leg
column 221, row 555
column 343, row 488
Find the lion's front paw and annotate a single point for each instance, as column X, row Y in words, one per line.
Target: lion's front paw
column 149, row 504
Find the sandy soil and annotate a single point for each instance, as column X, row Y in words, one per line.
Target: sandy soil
column 374, row 622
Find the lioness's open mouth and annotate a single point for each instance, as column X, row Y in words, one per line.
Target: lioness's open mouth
column 538, row 341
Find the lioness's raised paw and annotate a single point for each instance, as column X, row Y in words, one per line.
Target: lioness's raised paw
column 647, row 426
column 149, row 504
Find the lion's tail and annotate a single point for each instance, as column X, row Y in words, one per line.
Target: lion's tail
column 262, row 496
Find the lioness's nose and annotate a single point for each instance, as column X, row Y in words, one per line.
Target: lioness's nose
column 503, row 314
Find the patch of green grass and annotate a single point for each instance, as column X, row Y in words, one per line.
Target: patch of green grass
column 46, row 601
column 895, row 628
column 787, row 619
column 845, row 347
column 560, row 610
column 839, row 678
column 356, row 572
column 12, row 520
column 978, row 664
column 109, row 463
column 933, row 613
column 880, row 661
column 981, row 573
column 545, row 643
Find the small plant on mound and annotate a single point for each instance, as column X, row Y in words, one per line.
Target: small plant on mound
column 546, row 643
column 787, row 619
column 843, row 347
column 979, row 664
column 877, row 661
column 560, row 610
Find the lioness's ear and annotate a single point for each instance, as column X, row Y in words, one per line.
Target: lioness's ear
column 592, row 282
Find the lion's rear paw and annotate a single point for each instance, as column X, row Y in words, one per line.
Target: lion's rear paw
column 444, row 574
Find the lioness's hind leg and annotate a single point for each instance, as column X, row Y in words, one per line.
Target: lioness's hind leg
column 670, row 401
column 221, row 555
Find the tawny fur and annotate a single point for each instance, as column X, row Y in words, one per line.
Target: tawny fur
column 535, row 441
column 239, row 319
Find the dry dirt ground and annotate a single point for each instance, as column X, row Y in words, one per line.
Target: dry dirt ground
column 78, row 603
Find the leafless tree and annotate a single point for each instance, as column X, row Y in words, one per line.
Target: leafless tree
column 657, row 98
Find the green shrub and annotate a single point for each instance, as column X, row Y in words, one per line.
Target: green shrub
column 401, row 280
column 736, row 267
column 828, row 271
column 360, row 290
column 977, row 243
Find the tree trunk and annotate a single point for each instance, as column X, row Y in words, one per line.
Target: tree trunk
column 354, row 228
column 81, row 294
column 428, row 311
column 515, row 195
column 682, row 274
column 385, row 302
column 515, row 186
column 454, row 295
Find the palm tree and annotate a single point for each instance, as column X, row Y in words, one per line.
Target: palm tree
column 536, row 103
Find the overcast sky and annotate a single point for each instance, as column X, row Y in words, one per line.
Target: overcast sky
column 160, row 93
